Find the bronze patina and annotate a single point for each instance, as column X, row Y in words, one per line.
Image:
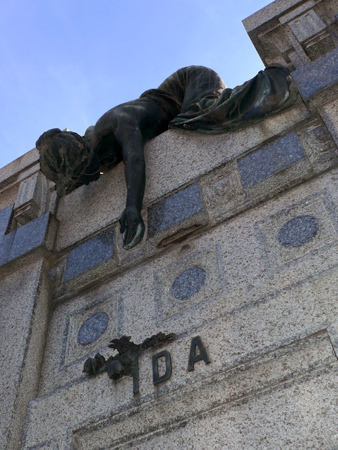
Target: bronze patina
column 193, row 98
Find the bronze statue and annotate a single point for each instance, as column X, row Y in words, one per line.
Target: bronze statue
column 193, row 98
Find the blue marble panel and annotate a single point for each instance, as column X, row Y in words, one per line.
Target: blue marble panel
column 29, row 236
column 5, row 247
column 5, row 216
column 90, row 254
column 298, row 231
column 188, row 283
column 93, row 328
column 317, row 75
column 270, row 159
column 174, row 209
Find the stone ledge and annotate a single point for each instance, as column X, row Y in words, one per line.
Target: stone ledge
column 217, row 196
column 267, row 13
column 294, row 33
column 19, row 165
column 283, row 368
column 189, row 155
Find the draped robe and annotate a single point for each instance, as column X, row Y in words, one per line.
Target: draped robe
column 199, row 100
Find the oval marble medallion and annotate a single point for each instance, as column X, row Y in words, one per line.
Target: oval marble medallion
column 93, row 328
column 188, row 283
column 298, row 231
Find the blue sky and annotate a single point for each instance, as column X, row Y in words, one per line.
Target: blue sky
column 65, row 63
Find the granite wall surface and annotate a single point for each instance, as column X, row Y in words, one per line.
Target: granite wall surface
column 239, row 261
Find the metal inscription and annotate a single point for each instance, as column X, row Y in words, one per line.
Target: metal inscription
column 126, row 362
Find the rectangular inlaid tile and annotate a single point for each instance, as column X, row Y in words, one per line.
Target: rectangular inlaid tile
column 90, row 254
column 174, row 209
column 5, row 216
column 317, row 75
column 270, row 159
column 5, row 247
column 29, row 236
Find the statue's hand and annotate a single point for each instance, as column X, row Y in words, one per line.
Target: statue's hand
column 132, row 224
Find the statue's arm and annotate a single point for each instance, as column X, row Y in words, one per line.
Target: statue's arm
column 132, row 225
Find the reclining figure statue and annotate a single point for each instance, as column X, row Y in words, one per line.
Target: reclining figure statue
column 193, row 98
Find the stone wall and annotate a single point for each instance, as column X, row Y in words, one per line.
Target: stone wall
column 239, row 261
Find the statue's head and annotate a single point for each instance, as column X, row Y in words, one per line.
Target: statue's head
column 67, row 159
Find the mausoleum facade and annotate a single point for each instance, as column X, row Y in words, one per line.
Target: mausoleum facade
column 237, row 271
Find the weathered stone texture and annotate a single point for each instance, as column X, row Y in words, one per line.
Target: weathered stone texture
column 90, row 254
column 5, row 216
column 293, row 33
column 271, row 159
column 240, row 252
column 174, row 209
column 23, row 321
column 317, row 75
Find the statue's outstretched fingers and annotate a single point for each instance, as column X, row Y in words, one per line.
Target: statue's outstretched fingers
column 134, row 238
column 132, row 226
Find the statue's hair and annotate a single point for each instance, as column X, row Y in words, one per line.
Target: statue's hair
column 64, row 158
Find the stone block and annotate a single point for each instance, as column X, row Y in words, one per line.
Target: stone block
column 20, row 164
column 286, row 421
column 306, row 26
column 293, row 33
column 94, row 207
column 269, row 12
column 270, row 159
column 225, row 398
column 31, row 198
column 5, row 217
column 319, row 146
column 89, row 254
column 222, row 190
column 174, row 209
column 297, row 11
column 30, row 236
column 8, row 196
column 320, row 45
column 317, row 75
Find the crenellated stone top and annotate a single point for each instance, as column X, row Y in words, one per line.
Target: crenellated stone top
column 294, row 32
